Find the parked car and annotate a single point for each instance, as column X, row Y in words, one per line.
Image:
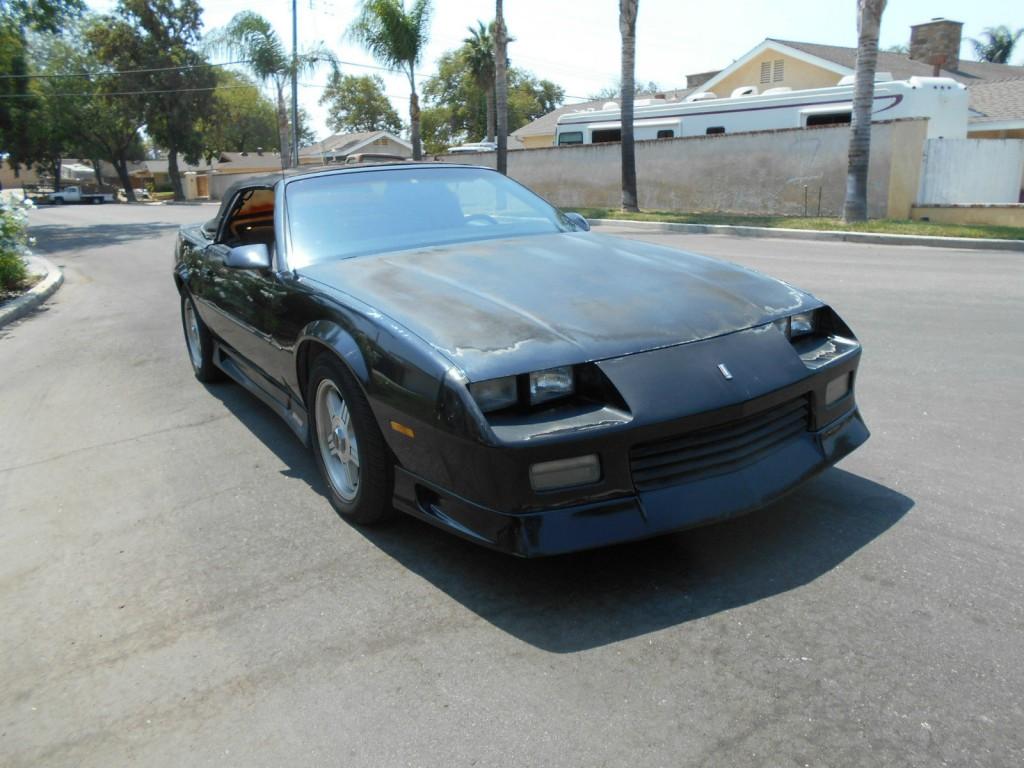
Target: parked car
column 76, row 195
column 452, row 346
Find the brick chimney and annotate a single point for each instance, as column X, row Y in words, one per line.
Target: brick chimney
column 937, row 42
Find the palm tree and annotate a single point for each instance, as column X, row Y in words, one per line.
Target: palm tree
column 869, row 20
column 397, row 38
column 998, row 48
column 501, row 84
column 627, row 27
column 478, row 54
column 251, row 37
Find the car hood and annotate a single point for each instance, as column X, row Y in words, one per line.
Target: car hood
column 497, row 307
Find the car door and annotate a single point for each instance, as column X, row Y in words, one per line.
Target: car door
column 257, row 313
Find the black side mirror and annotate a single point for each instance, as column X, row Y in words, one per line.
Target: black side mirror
column 252, row 256
column 579, row 221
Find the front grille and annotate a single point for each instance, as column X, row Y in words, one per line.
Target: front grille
column 718, row 449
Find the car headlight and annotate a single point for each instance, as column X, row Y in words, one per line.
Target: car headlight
column 495, row 394
column 540, row 386
column 550, row 384
column 794, row 326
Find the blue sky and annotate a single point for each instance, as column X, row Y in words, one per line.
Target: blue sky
column 575, row 42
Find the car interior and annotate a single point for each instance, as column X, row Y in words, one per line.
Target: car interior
column 251, row 219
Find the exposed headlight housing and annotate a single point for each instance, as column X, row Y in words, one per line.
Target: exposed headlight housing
column 538, row 387
column 794, row 326
column 550, row 384
column 495, row 394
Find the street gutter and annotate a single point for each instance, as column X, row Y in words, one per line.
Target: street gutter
column 40, row 292
column 874, row 238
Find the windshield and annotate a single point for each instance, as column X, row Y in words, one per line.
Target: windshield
column 353, row 214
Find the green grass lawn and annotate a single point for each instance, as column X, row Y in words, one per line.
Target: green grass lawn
column 884, row 226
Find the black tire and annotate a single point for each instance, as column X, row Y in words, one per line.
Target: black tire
column 198, row 343
column 371, row 503
column 58, row 201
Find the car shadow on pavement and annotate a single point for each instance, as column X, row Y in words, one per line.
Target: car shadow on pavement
column 54, row 238
column 575, row 602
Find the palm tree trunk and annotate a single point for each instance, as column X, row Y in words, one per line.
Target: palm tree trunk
column 489, row 91
column 501, row 86
column 869, row 19
column 414, row 117
column 283, row 136
column 627, row 26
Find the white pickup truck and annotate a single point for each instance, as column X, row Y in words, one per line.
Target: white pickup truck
column 76, row 195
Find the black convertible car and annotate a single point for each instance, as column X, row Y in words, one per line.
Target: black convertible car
column 454, row 347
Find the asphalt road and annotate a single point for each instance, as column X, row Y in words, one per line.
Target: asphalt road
column 176, row 591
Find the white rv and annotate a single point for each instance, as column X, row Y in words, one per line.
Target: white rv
column 940, row 99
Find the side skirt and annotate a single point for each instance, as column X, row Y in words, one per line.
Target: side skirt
column 293, row 412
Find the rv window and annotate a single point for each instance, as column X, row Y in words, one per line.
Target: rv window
column 715, row 129
column 572, row 137
column 829, row 118
column 608, row 134
column 666, row 134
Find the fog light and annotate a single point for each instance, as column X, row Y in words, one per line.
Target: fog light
column 837, row 389
column 565, row 473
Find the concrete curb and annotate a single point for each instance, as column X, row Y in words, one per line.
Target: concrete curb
column 39, row 293
column 968, row 243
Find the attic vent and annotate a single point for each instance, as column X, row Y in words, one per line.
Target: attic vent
column 766, row 71
column 778, row 70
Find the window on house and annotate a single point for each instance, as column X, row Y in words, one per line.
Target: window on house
column 766, row 71
column 828, row 118
column 668, row 133
column 570, row 137
column 606, row 135
column 715, row 129
column 778, row 70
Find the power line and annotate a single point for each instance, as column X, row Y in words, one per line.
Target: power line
column 125, row 93
column 120, row 72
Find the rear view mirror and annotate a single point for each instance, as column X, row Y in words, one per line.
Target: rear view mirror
column 579, row 221
column 252, row 256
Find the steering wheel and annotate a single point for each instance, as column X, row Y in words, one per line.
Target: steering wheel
column 476, row 219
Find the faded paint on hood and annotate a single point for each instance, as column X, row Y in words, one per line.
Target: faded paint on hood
column 497, row 307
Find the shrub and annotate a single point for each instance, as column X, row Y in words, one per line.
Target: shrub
column 14, row 244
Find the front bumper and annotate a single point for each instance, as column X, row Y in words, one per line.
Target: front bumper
column 655, row 510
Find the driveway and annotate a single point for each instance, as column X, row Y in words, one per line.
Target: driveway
column 177, row 591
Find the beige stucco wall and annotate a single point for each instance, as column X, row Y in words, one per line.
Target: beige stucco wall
column 764, row 172
column 798, row 75
column 10, row 181
column 995, row 215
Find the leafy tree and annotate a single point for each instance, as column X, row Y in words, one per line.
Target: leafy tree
column 18, row 101
column 242, row 119
column 358, row 103
column 307, row 135
column 397, row 38
column 251, row 37
column 478, row 54
column 998, row 44
column 456, row 109
column 869, row 20
column 614, row 91
column 162, row 37
column 627, row 27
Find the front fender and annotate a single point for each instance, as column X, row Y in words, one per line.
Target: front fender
column 329, row 334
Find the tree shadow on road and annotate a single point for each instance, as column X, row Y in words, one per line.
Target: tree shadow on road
column 54, row 238
column 574, row 602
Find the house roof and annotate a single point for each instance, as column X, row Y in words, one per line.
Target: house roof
column 269, row 160
column 545, row 124
column 901, row 66
column 998, row 100
column 347, row 143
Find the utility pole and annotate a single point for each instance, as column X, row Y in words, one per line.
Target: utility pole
column 295, row 86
